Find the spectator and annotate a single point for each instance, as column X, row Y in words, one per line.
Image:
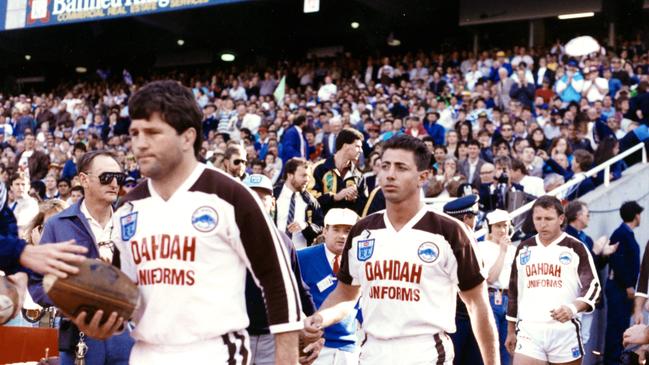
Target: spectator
column 294, row 143
column 235, row 161
column 570, row 85
column 595, row 87
column 23, row 206
column 471, row 167
column 532, row 185
column 36, row 162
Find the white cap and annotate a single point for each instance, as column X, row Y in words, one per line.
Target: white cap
column 340, row 216
column 498, row 216
column 258, row 181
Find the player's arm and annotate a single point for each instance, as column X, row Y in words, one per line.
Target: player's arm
column 482, row 322
column 512, row 305
column 338, row 305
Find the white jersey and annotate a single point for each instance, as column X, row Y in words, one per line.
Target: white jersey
column 546, row 277
column 489, row 252
column 410, row 278
column 189, row 255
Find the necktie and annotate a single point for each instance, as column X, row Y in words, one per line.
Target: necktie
column 336, row 264
column 291, row 214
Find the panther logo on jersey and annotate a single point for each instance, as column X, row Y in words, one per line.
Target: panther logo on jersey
column 365, row 249
column 565, row 258
column 205, row 219
column 428, row 252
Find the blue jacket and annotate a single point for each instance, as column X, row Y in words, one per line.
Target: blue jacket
column 291, row 144
column 436, row 131
column 625, row 262
column 10, row 245
column 70, row 224
column 341, row 335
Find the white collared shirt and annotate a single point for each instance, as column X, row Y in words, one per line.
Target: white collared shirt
column 283, row 204
column 331, row 257
column 101, row 234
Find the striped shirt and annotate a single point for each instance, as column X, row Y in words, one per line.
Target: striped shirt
column 189, row 255
column 546, row 277
column 409, row 278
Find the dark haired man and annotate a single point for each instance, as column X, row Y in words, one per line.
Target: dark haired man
column 408, row 263
column 294, row 143
column 338, row 181
column 298, row 213
column 470, row 167
column 204, row 229
column 88, row 222
column 234, row 162
column 553, row 279
column 624, row 268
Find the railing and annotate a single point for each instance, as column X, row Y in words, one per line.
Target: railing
column 576, row 180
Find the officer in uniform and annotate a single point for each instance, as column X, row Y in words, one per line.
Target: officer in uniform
column 466, row 210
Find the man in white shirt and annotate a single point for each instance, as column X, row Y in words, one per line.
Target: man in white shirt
column 24, row 207
column 327, row 90
column 498, row 253
column 532, row 185
column 595, row 87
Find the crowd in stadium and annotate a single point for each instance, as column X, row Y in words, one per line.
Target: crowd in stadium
column 506, row 125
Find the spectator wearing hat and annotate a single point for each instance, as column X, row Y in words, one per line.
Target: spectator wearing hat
column 624, row 268
column 571, row 84
column 262, row 343
column 498, row 254
column 464, row 209
column 595, row 87
column 323, row 261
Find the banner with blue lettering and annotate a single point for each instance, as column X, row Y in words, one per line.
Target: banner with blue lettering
column 20, row 14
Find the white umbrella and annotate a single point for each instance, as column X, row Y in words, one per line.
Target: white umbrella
column 582, row 46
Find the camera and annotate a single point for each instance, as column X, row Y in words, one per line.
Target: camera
column 503, row 179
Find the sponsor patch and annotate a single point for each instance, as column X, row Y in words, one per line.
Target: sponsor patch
column 525, row 257
column 428, row 252
column 365, row 249
column 205, row 219
column 575, row 352
column 128, row 224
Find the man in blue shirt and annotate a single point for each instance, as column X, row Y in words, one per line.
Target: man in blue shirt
column 323, row 262
column 624, row 267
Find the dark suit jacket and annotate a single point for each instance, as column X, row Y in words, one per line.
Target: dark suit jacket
column 38, row 164
column 291, row 144
column 313, row 214
column 326, row 150
column 465, row 169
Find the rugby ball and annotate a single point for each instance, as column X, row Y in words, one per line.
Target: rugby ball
column 98, row 285
column 8, row 300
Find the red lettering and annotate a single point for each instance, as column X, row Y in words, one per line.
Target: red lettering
column 175, row 248
column 135, row 251
column 164, row 249
column 145, row 250
column 189, row 249
column 368, row 271
column 415, row 274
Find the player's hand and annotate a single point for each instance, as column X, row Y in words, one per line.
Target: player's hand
column 58, row 259
column 630, row 293
column 20, row 281
column 294, row 227
column 313, row 350
column 510, row 343
column 636, row 335
column 313, row 328
column 561, row 314
column 94, row 329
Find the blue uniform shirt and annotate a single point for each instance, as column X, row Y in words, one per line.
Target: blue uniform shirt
column 316, row 276
column 625, row 262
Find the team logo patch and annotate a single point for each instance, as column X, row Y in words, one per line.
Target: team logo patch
column 365, row 249
column 255, row 179
column 565, row 258
column 525, row 257
column 129, row 225
column 575, row 352
column 428, row 252
column 205, row 219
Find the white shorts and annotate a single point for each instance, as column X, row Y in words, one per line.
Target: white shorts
column 554, row 342
column 332, row 356
column 412, row 350
column 231, row 349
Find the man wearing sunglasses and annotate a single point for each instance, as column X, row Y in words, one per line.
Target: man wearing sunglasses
column 90, row 223
column 235, row 162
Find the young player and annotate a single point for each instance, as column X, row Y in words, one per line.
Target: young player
column 408, row 263
column 186, row 237
column 553, row 279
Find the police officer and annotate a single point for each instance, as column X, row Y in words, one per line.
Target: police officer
column 624, row 267
column 464, row 209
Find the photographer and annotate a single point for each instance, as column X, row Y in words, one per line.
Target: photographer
column 497, row 189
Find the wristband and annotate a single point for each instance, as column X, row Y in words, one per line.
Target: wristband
column 573, row 309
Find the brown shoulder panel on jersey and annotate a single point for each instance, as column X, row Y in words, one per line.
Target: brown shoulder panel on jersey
column 468, row 265
column 512, row 306
column 643, row 279
column 258, row 240
column 590, row 286
column 141, row 191
column 369, row 223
